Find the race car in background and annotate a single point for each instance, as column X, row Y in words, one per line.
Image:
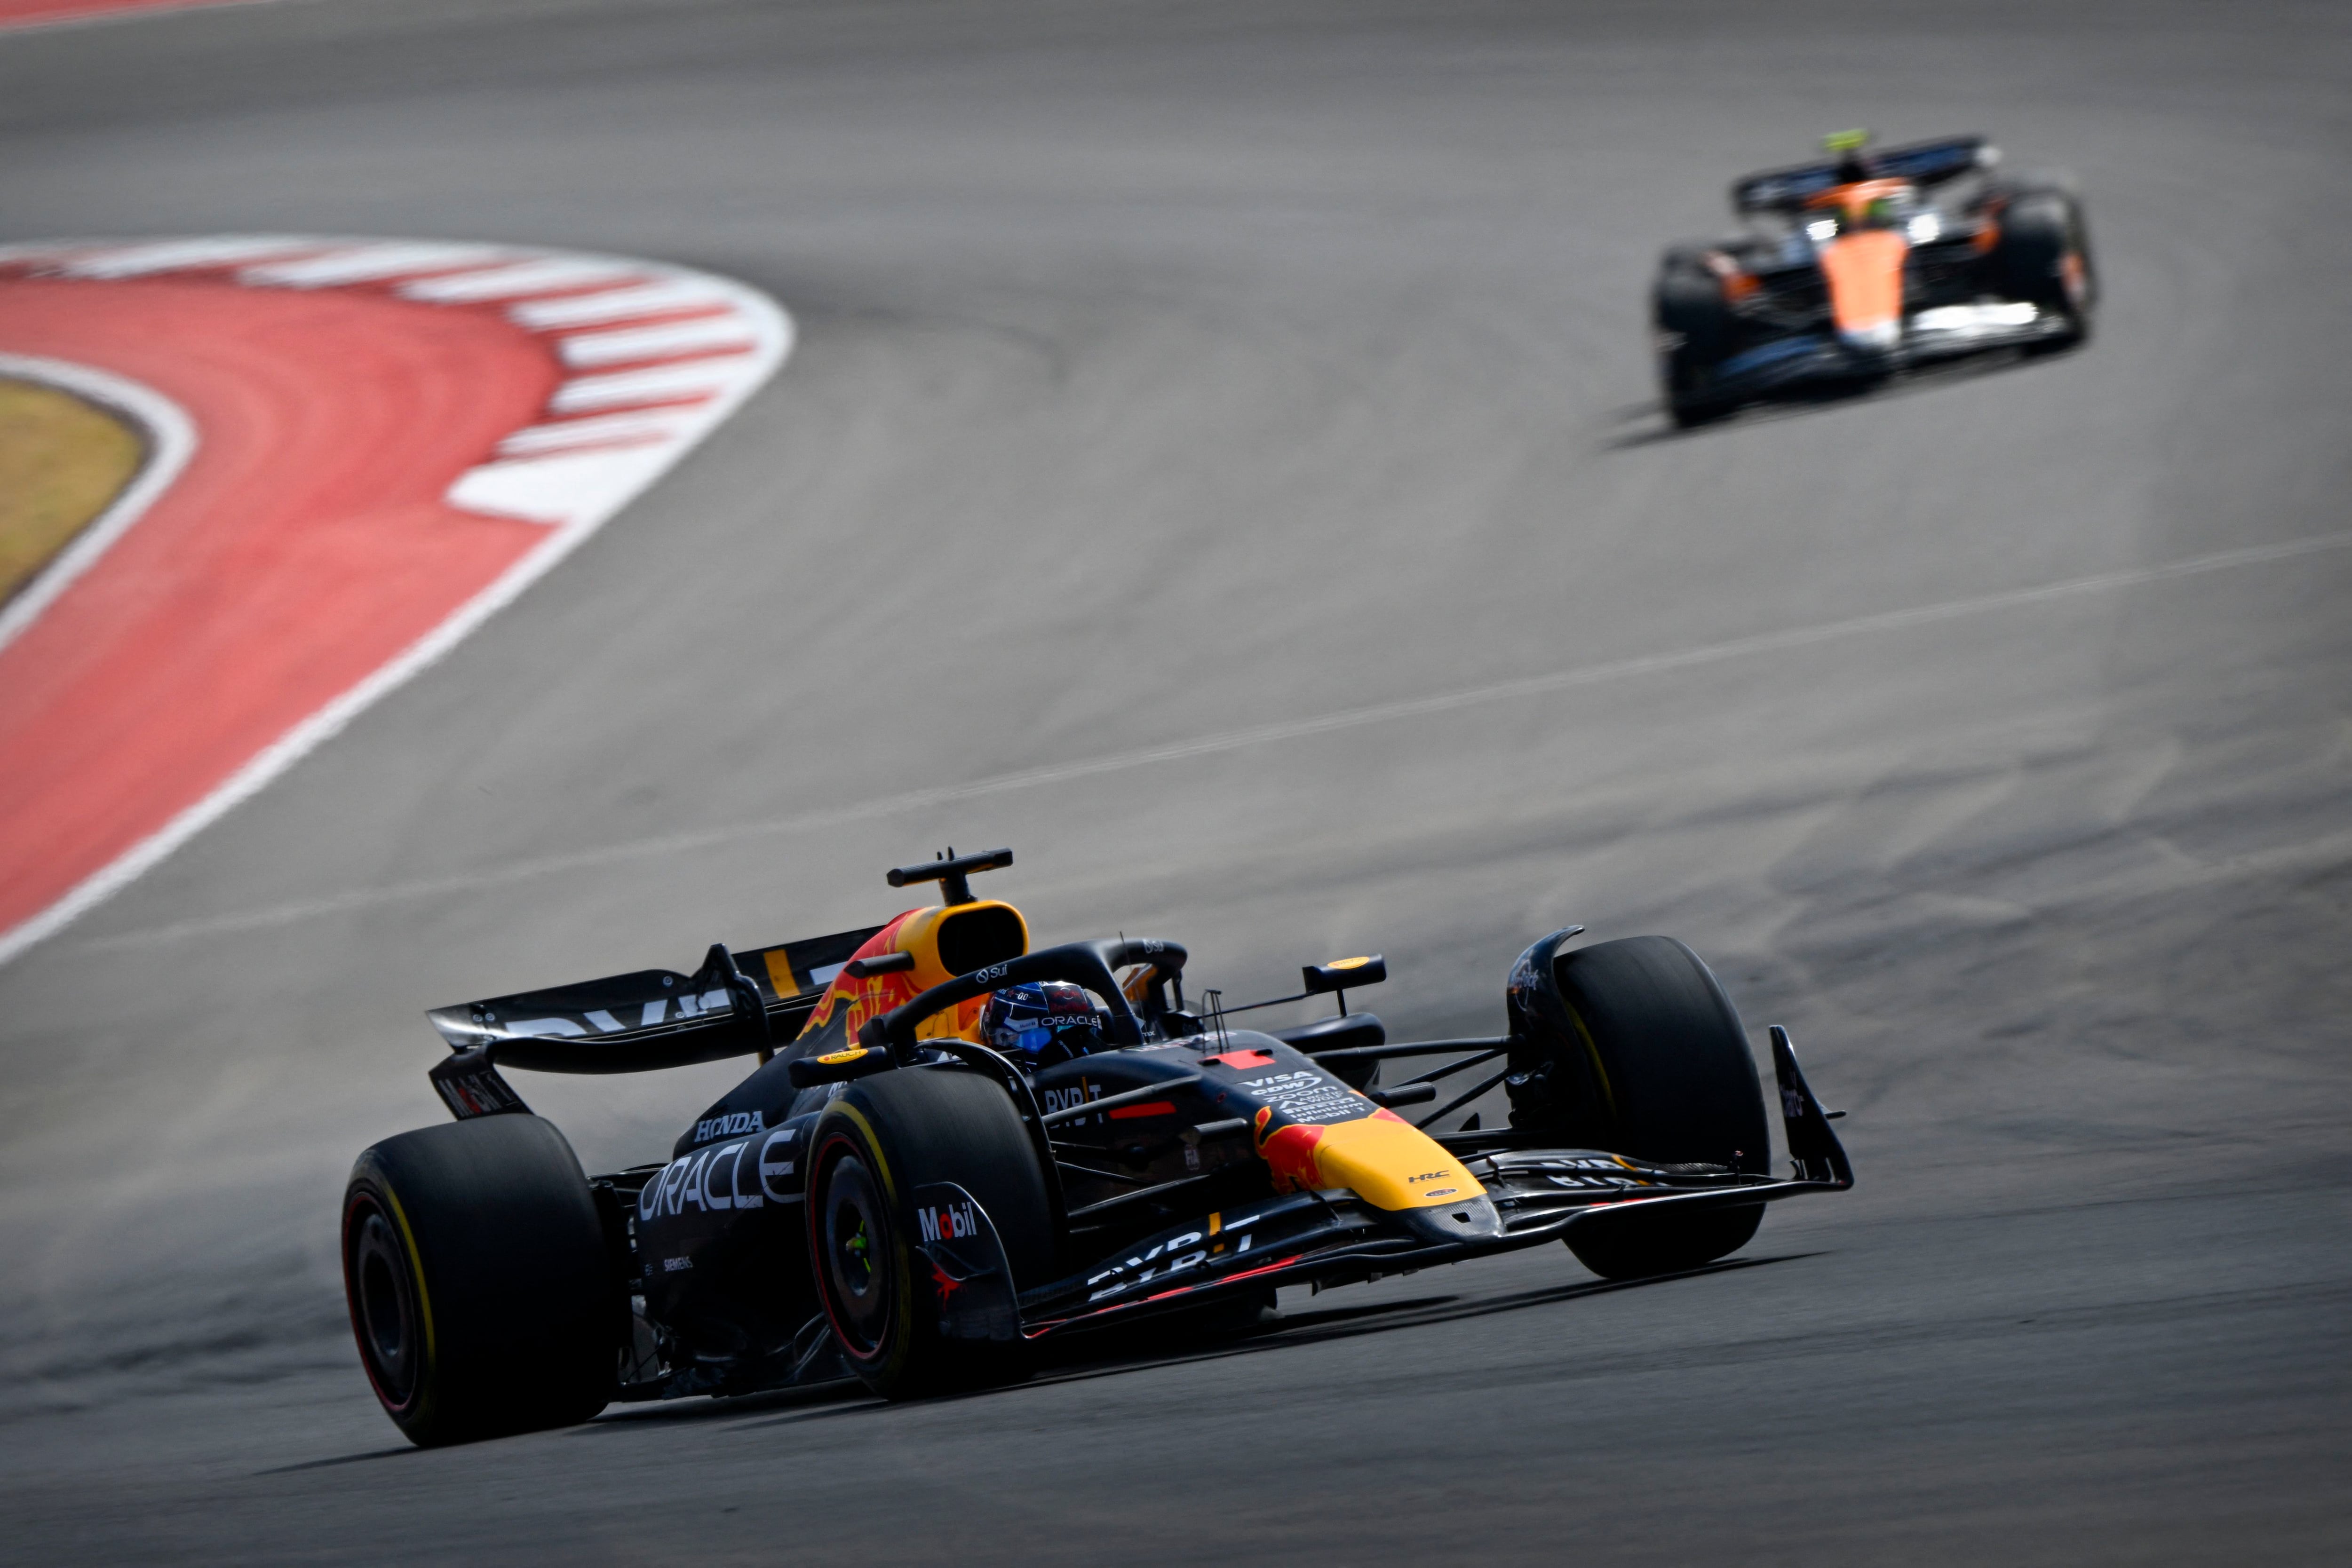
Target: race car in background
column 908, row 1193
column 1867, row 263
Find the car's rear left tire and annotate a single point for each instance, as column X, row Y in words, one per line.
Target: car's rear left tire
column 482, row 1291
column 1653, row 1064
column 1693, row 325
column 883, row 1138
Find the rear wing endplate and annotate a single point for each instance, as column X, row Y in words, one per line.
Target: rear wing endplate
column 736, row 1004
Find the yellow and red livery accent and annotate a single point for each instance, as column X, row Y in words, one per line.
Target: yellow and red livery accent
column 945, row 941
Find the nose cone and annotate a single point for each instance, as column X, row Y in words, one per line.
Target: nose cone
column 1472, row 1219
column 1864, row 273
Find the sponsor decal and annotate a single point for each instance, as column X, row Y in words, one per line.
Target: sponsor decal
column 945, row 1283
column 1178, row 1255
column 771, row 1168
column 728, row 1127
column 706, row 1180
column 1071, row 1098
column 673, row 1265
column 1792, row 1105
column 1303, row 1095
column 947, row 1221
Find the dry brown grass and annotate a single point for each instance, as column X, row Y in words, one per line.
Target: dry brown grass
column 62, row 461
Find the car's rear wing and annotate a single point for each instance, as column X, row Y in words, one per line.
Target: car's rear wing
column 1923, row 162
column 737, row 1004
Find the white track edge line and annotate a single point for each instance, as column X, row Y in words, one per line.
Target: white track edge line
column 776, row 341
column 171, row 439
column 1224, row 741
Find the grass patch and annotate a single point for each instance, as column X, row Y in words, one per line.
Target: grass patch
column 62, row 461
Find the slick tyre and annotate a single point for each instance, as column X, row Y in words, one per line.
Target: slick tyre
column 481, row 1292
column 1675, row 1082
column 1694, row 326
column 883, row 1138
column 2044, row 258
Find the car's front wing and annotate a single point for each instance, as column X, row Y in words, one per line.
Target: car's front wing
column 1942, row 332
column 1335, row 1238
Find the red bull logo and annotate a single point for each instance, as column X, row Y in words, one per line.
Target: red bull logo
column 1289, row 1154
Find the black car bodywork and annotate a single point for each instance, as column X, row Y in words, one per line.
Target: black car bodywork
column 1188, row 1162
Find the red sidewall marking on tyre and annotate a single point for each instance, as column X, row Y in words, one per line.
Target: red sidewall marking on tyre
column 392, row 439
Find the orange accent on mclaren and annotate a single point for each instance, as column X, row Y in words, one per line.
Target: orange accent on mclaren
column 1865, row 278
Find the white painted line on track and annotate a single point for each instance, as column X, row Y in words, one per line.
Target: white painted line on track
column 178, row 255
column 171, row 438
column 596, row 429
column 822, row 818
column 572, row 492
column 671, row 340
column 696, row 378
column 366, row 263
column 513, row 281
column 616, row 305
column 558, row 486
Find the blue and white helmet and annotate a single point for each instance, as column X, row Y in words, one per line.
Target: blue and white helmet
column 1042, row 1022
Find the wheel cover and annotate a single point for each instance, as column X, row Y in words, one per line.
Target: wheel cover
column 383, row 1304
column 858, row 1256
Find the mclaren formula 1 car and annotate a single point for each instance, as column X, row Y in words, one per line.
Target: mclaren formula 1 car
column 900, row 1193
column 1873, row 262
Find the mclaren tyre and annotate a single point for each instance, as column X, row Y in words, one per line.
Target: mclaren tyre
column 1661, row 1072
column 1694, row 328
column 2043, row 258
column 884, row 1141
column 481, row 1290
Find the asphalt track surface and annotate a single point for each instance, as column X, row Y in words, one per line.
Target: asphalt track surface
column 1205, row 421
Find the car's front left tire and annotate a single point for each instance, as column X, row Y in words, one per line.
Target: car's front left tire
column 481, row 1292
column 1635, row 1050
column 884, row 1138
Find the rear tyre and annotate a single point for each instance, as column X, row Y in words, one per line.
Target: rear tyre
column 1671, row 1080
column 884, row 1137
column 481, row 1293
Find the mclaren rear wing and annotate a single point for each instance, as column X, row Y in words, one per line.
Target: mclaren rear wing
column 1924, row 162
column 737, row 1004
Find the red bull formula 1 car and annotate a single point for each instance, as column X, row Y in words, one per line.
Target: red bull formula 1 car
column 1869, row 264
column 903, row 1192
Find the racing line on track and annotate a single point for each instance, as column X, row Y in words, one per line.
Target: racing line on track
column 360, row 450
column 1556, row 681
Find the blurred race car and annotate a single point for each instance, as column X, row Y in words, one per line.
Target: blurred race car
column 954, row 1147
column 1869, row 263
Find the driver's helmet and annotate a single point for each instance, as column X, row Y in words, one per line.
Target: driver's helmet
column 1042, row 1022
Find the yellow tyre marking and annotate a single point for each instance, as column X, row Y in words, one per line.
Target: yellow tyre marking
column 424, row 1300
column 902, row 1316
column 1593, row 1051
